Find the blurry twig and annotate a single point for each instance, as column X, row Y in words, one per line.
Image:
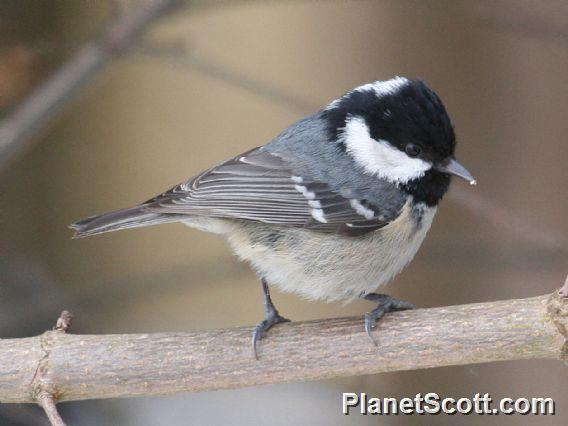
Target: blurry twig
column 180, row 55
column 37, row 110
column 64, row 367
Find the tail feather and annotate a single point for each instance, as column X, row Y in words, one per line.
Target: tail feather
column 133, row 217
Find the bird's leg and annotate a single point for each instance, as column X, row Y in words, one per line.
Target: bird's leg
column 385, row 304
column 271, row 317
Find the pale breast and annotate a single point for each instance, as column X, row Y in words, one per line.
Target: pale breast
column 327, row 266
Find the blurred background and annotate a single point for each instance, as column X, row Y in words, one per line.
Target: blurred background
column 210, row 79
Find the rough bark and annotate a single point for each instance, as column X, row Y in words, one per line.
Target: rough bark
column 74, row 367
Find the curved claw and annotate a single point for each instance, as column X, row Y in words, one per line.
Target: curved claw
column 385, row 305
column 256, row 336
column 369, row 325
column 264, row 326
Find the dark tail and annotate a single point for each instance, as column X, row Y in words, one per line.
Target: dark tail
column 133, row 217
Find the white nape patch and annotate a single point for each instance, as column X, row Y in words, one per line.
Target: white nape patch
column 297, row 179
column 315, row 204
column 317, row 214
column 381, row 88
column 362, row 210
column 304, row 191
column 378, row 157
column 333, row 103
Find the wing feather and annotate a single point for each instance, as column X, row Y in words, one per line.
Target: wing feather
column 261, row 186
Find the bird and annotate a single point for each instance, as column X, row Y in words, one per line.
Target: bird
column 332, row 208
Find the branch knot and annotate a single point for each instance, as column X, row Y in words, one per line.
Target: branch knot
column 557, row 307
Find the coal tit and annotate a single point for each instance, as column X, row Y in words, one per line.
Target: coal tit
column 333, row 207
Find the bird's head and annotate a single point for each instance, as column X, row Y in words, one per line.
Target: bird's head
column 398, row 130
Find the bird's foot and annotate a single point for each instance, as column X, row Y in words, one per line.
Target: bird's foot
column 385, row 304
column 271, row 317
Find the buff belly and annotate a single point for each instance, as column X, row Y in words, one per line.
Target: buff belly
column 321, row 266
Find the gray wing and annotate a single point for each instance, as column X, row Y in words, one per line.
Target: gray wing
column 261, row 186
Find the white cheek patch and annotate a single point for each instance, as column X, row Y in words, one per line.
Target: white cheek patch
column 378, row 157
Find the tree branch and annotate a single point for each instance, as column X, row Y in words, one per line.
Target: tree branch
column 75, row 367
column 47, row 402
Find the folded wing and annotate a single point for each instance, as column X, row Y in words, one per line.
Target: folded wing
column 261, row 186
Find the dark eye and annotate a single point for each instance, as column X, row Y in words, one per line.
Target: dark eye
column 413, row 150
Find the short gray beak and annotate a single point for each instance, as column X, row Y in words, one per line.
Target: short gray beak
column 452, row 167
